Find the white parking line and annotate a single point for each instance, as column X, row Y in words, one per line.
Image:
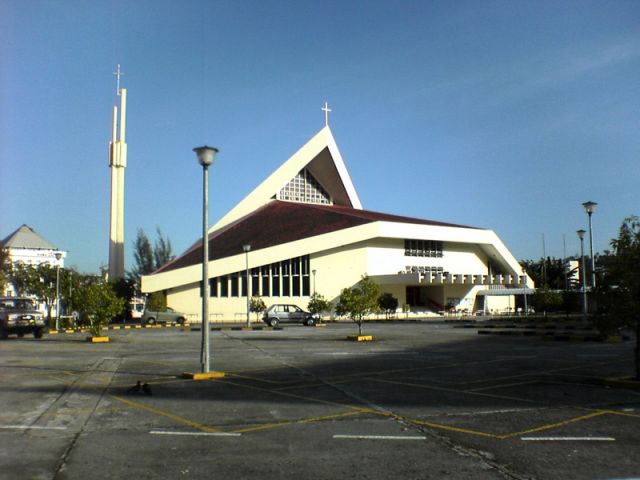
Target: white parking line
column 378, row 437
column 29, row 427
column 569, row 439
column 195, row 434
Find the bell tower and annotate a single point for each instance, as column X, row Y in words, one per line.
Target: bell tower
column 117, row 164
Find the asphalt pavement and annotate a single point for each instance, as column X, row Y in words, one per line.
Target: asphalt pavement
column 421, row 401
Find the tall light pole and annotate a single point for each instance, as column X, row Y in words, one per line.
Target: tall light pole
column 58, row 257
column 246, row 249
column 582, row 274
column 205, row 156
column 590, row 207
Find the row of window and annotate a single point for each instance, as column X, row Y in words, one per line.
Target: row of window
column 423, row 269
column 289, row 278
column 422, row 248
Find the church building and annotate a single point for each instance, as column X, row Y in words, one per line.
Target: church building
column 308, row 232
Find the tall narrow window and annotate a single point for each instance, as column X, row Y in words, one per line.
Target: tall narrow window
column 243, row 284
column 255, row 282
column 306, row 282
column 275, row 280
column 286, row 290
column 295, row 277
column 235, row 292
column 213, row 287
column 265, row 281
column 224, row 286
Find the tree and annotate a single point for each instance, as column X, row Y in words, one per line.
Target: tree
column 548, row 272
column 98, row 304
column 126, row 290
column 143, row 255
column 38, row 281
column 318, row 304
column 257, row 306
column 157, row 302
column 147, row 258
column 388, row 304
column 5, row 268
column 546, row 299
column 618, row 292
column 359, row 300
column 161, row 250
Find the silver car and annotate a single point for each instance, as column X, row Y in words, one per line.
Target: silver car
column 19, row 315
column 151, row 317
column 287, row 313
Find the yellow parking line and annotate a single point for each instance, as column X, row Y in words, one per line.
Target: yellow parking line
column 455, row 429
column 162, row 413
column 262, row 380
column 310, row 399
column 453, row 390
column 284, row 423
column 503, row 385
column 617, row 412
column 554, row 425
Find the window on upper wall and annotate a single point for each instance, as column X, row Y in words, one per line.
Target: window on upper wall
column 423, row 248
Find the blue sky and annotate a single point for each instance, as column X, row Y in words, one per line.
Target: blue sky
column 498, row 114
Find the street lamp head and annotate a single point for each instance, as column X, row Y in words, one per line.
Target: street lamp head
column 246, row 248
column 581, row 234
column 58, row 255
column 589, row 207
column 206, row 155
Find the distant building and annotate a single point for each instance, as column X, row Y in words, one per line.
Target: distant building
column 26, row 246
column 309, row 233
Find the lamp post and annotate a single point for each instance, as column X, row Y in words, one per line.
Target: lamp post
column 205, row 156
column 58, row 257
column 590, row 207
column 582, row 276
column 246, row 249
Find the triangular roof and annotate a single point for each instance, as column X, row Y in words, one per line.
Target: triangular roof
column 281, row 222
column 26, row 237
column 321, row 157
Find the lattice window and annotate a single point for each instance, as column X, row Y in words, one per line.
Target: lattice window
column 304, row 188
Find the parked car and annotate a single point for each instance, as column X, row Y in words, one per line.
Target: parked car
column 169, row 315
column 285, row 313
column 18, row 315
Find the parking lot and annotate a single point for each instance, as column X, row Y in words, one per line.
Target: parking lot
column 423, row 400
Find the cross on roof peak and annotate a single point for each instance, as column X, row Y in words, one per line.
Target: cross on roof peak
column 326, row 111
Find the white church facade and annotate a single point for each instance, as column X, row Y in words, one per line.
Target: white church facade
column 308, row 232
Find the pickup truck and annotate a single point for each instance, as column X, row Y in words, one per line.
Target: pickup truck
column 151, row 317
column 19, row 315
